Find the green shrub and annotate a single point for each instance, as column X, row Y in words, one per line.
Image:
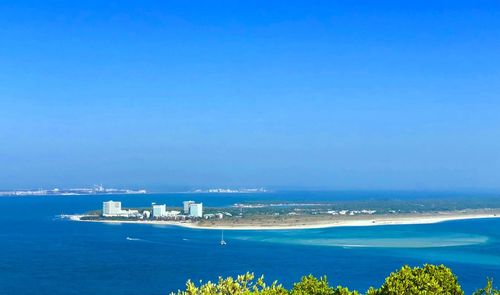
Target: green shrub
column 310, row 285
column 242, row 285
column 426, row 280
column 488, row 290
column 430, row 279
column 344, row 291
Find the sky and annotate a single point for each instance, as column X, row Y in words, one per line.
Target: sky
column 280, row 94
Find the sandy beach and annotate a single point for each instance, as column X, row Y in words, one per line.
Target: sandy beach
column 381, row 220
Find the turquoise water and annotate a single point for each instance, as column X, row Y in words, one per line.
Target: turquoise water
column 41, row 254
column 366, row 238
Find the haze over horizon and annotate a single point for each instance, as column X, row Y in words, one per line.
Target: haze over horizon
column 366, row 95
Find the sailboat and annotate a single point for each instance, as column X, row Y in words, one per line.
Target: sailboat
column 222, row 242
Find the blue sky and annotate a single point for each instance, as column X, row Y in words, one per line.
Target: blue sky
column 293, row 94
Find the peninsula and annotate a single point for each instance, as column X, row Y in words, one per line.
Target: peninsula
column 277, row 216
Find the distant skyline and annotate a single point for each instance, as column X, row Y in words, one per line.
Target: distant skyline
column 293, row 94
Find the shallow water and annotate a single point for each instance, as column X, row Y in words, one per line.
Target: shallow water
column 410, row 242
column 44, row 255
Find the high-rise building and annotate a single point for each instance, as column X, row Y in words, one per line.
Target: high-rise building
column 111, row 208
column 196, row 210
column 186, row 206
column 159, row 210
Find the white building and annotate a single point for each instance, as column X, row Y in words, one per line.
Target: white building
column 130, row 213
column 111, row 208
column 196, row 210
column 186, row 206
column 172, row 213
column 114, row 209
column 159, row 210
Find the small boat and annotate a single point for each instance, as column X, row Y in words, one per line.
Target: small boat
column 222, row 242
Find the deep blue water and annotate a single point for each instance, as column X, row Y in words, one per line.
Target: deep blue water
column 41, row 254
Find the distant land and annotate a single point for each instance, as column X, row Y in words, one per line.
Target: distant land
column 101, row 190
column 229, row 190
column 96, row 190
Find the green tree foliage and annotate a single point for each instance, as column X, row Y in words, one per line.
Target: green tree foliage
column 426, row 280
column 488, row 290
column 344, row 291
column 242, row 285
column 310, row 285
column 430, row 279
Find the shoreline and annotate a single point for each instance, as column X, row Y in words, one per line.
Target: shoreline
column 377, row 221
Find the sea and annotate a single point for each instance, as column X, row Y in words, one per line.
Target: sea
column 41, row 253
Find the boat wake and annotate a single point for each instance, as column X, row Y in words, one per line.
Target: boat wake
column 134, row 239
